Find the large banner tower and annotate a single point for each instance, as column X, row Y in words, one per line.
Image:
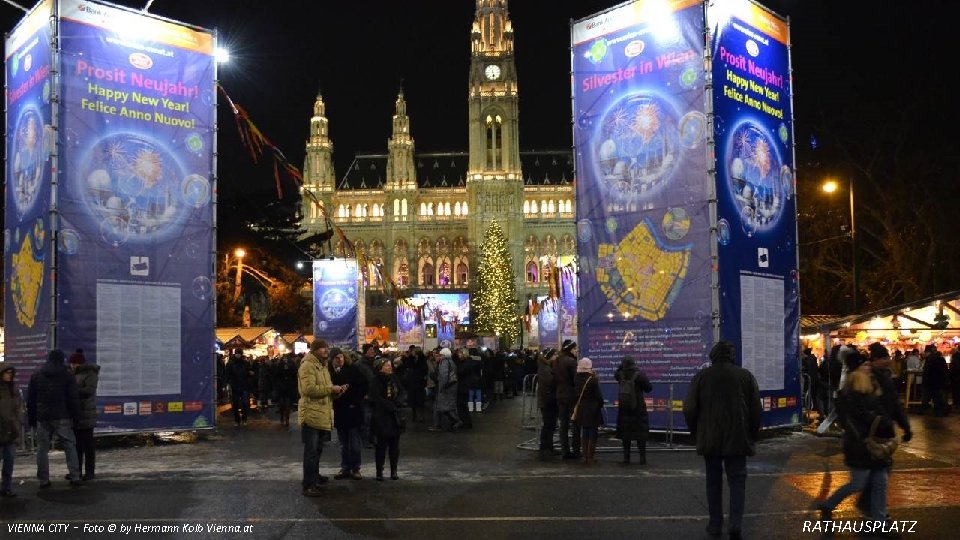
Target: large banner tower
column 110, row 183
column 686, row 218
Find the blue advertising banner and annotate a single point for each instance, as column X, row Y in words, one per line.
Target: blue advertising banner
column 136, row 213
column 548, row 323
column 335, row 301
column 756, row 203
column 27, row 235
column 643, row 222
column 569, row 291
column 409, row 326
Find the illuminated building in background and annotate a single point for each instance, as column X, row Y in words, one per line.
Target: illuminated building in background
column 423, row 215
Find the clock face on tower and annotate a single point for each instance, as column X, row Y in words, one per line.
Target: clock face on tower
column 492, row 72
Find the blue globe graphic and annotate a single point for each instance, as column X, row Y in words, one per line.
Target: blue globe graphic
column 754, row 177
column 132, row 186
column 335, row 304
column 28, row 157
column 639, row 147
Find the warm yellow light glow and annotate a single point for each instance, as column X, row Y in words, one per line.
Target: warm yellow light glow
column 830, row 186
column 239, row 253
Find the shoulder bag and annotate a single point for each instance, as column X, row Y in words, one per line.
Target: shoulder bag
column 576, row 408
column 879, row 448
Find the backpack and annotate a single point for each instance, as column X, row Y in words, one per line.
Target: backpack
column 627, row 393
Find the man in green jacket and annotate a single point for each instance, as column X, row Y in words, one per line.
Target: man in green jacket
column 722, row 410
column 315, row 412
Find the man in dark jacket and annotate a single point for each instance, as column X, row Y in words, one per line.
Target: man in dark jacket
column 723, row 410
column 936, row 379
column 812, row 381
column 365, row 365
column 238, row 375
column 468, row 373
column 547, row 402
column 890, row 398
column 633, row 423
column 348, row 413
column 416, row 381
column 564, row 371
column 53, row 407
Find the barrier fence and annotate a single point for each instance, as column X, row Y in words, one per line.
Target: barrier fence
column 531, row 418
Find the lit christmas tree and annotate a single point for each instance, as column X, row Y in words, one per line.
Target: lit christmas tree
column 495, row 297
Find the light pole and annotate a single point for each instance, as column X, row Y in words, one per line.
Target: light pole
column 831, row 186
column 239, row 254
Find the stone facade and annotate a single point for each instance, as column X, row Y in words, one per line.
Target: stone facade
column 424, row 215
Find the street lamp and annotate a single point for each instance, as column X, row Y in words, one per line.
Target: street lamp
column 239, row 254
column 831, row 186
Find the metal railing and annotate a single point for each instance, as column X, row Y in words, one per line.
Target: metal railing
column 530, row 417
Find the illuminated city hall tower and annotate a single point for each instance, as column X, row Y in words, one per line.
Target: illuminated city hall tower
column 494, row 177
column 421, row 216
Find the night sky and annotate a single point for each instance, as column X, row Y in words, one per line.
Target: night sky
column 878, row 57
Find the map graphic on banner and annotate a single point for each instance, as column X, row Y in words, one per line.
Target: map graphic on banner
column 643, row 223
column 335, row 301
column 756, row 203
column 136, row 213
column 27, row 236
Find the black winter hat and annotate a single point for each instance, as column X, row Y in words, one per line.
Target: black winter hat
column 854, row 360
column 878, row 351
column 56, row 356
column 568, row 345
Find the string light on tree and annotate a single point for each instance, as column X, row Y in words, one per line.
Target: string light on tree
column 495, row 297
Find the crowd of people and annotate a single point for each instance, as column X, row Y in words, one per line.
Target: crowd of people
column 933, row 378
column 369, row 396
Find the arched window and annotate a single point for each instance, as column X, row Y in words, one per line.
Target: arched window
column 403, row 207
column 446, row 209
column 456, row 209
column 569, row 208
column 424, row 247
column 550, row 245
column 533, row 273
column 444, row 273
column 526, row 207
column 423, row 209
column 357, row 211
column 460, row 246
column 533, row 207
column 396, row 209
column 430, row 209
column 401, row 273
column 494, row 141
column 466, row 210
column 461, row 277
column 551, row 208
column 568, row 245
column 427, row 272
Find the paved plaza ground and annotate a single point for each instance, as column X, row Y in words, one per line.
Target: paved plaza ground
column 470, row 484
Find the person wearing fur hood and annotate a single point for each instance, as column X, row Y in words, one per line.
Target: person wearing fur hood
column 11, row 425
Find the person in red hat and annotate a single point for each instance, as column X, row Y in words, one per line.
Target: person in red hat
column 88, row 376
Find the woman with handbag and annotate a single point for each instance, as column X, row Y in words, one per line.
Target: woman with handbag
column 387, row 421
column 588, row 410
column 868, row 441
